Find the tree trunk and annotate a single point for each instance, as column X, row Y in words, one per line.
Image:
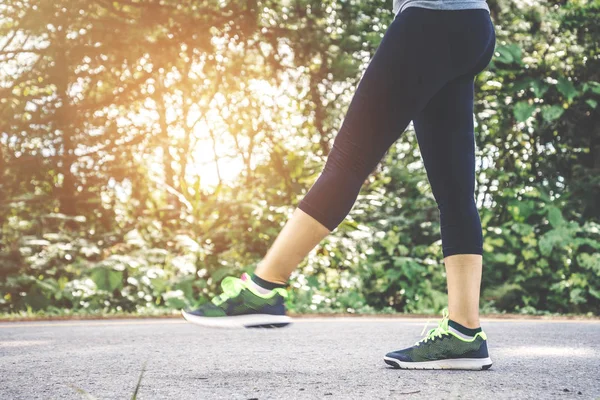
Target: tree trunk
column 64, row 124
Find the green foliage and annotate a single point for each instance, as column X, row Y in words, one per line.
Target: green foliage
column 508, row 54
column 121, row 122
column 544, row 261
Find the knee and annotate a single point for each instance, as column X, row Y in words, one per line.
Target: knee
column 457, row 207
column 348, row 159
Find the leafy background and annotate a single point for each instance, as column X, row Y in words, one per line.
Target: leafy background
column 150, row 148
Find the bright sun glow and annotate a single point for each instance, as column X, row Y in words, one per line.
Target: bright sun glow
column 224, row 138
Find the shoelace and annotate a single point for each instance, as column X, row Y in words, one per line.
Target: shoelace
column 439, row 331
column 232, row 286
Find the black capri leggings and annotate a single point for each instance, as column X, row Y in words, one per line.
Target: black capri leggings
column 422, row 71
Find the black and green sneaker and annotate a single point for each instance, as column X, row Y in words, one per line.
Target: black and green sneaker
column 443, row 348
column 241, row 306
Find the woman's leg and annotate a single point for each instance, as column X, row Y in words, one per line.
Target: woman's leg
column 463, row 273
column 444, row 130
column 409, row 67
column 297, row 238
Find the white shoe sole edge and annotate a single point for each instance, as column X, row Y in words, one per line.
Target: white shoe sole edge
column 237, row 321
column 454, row 363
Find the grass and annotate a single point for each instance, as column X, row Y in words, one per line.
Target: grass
column 169, row 313
column 88, row 396
column 85, row 314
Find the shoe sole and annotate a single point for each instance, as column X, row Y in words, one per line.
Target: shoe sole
column 473, row 364
column 240, row 321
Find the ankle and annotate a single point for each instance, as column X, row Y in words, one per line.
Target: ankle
column 267, row 272
column 471, row 322
column 266, row 283
column 462, row 330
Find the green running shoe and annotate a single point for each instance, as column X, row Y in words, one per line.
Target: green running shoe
column 443, row 348
column 241, row 306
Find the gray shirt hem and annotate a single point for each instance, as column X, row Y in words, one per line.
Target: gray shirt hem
column 437, row 5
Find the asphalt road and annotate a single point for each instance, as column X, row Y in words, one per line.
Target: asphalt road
column 313, row 359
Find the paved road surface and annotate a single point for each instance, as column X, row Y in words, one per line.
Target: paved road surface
column 313, row 359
